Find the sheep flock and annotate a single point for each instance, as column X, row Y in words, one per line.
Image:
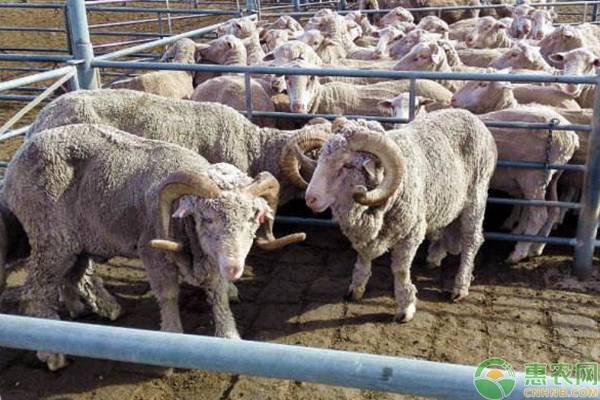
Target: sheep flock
column 164, row 167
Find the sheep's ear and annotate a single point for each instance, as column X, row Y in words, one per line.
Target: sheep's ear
column 553, row 15
column 385, row 104
column 499, row 25
column 269, row 57
column 436, row 53
column 425, row 101
column 185, row 208
column 558, row 58
column 370, row 168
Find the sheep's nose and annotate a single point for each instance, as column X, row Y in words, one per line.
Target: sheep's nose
column 310, row 200
column 298, row 108
column 453, row 102
column 526, row 29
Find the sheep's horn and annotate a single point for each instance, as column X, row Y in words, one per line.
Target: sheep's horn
column 168, row 245
column 388, row 152
column 293, row 158
column 179, row 184
column 266, row 186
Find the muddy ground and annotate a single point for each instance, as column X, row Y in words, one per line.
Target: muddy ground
column 532, row 311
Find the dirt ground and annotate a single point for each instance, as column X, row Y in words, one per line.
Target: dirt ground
column 528, row 312
column 523, row 313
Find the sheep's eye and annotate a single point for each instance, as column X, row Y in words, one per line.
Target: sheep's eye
column 482, row 84
column 348, row 166
column 416, row 59
column 513, row 55
column 207, row 221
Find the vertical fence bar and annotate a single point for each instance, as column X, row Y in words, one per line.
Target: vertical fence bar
column 587, row 226
column 250, row 6
column 594, row 12
column 248, row 92
column 87, row 76
column 412, row 99
column 343, row 4
column 296, row 4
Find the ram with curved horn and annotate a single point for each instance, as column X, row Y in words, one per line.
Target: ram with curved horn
column 390, row 190
column 217, row 132
column 101, row 192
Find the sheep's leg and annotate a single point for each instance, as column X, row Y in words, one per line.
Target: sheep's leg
column 436, row 252
column 233, row 293
column 405, row 292
column 40, row 295
column 570, row 195
column 217, row 293
column 471, row 238
column 83, row 282
column 164, row 281
column 512, row 220
column 553, row 216
column 537, row 217
column 360, row 278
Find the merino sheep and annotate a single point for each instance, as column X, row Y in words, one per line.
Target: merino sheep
column 480, row 57
column 225, row 50
column 217, row 132
column 488, row 33
column 230, row 90
column 541, row 23
column 522, row 56
column 434, row 24
column 411, row 196
column 104, row 192
column 176, row 84
column 449, row 16
column 579, row 61
column 569, row 37
column 482, row 97
column 247, row 30
column 521, row 23
column 307, row 94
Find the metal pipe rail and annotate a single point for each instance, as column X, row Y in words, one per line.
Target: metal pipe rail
column 102, row 62
column 331, row 367
column 43, row 76
column 156, row 43
column 445, row 8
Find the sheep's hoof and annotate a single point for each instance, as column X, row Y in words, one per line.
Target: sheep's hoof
column 514, row 259
column 233, row 293
column 458, row 294
column 354, row 294
column 407, row 314
column 53, row 361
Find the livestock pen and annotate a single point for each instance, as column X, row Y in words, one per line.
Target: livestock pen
column 344, row 369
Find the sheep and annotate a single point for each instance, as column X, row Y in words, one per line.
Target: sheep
column 488, row 33
column 460, row 29
column 217, row 132
column 400, row 106
column 225, row 50
column 273, row 38
column 432, row 56
column 14, row 246
column 480, row 57
column 578, row 61
column 450, row 16
column 398, row 14
column 569, row 37
column 411, row 196
column 176, row 84
column 531, row 184
column 403, row 46
column 247, row 30
column 434, row 24
column 307, row 94
column 230, row 90
column 483, row 96
column 521, row 23
column 541, row 23
column 283, row 22
column 97, row 190
column 522, row 56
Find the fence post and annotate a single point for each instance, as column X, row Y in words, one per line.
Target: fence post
column 80, row 43
column 343, row 4
column 587, row 226
column 594, row 12
column 250, row 6
column 296, row 5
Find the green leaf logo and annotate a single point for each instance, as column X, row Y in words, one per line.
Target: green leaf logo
column 494, row 379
